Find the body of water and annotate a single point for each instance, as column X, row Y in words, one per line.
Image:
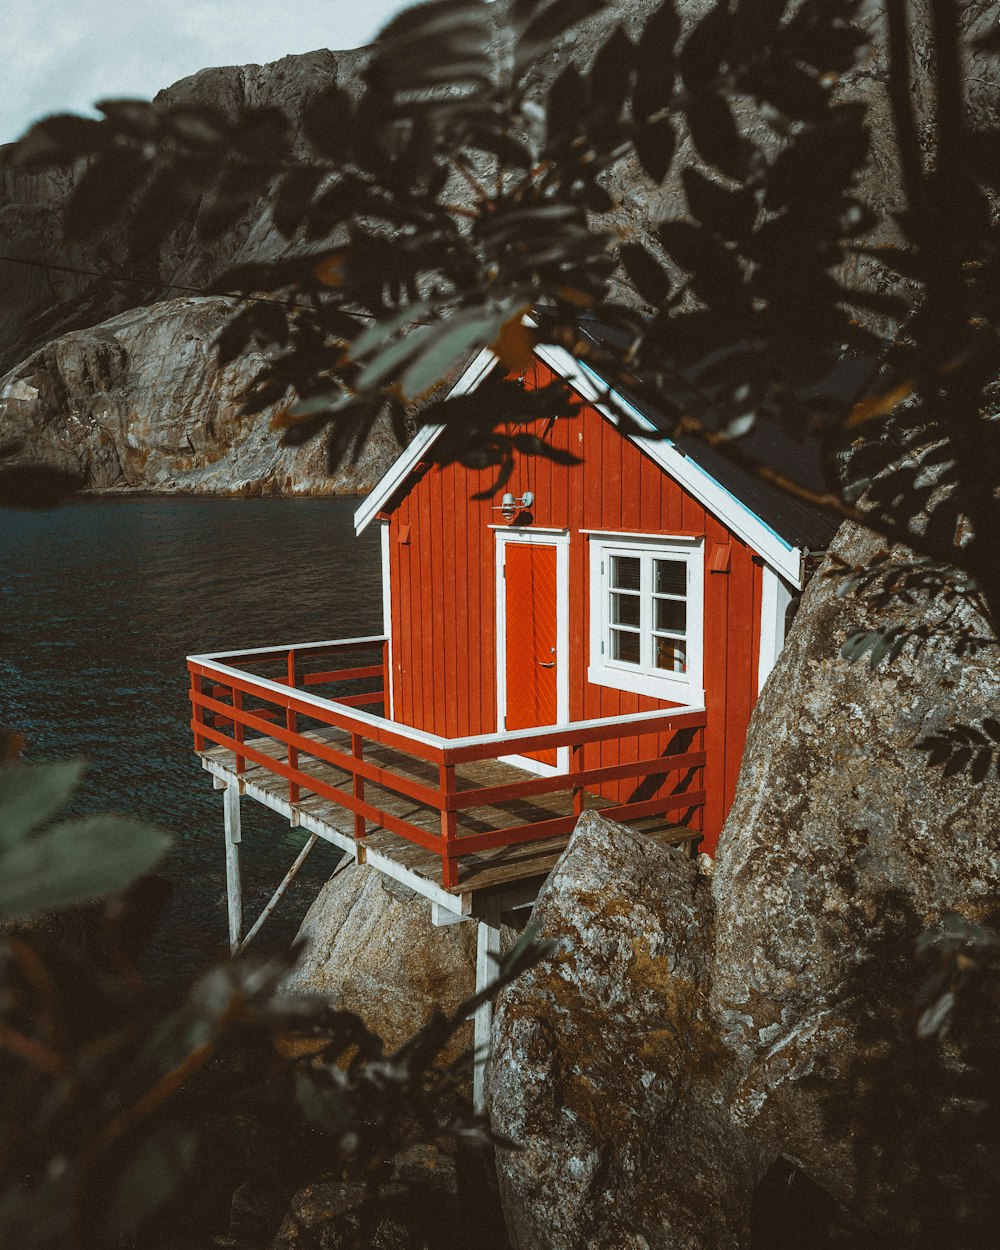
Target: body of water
column 100, row 602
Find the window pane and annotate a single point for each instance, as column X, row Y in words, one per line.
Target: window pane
column 625, row 646
column 625, row 610
column 625, row 572
column 671, row 614
column 670, row 654
column 670, row 577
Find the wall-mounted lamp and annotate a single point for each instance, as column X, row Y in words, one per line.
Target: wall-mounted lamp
column 509, row 506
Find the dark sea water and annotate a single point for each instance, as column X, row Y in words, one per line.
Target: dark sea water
column 100, row 602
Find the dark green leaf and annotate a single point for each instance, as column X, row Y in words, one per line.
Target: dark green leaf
column 705, row 49
column 648, row 277
column 200, row 126
column 446, row 349
column 611, row 73
column 714, row 134
column 381, row 331
column 546, row 27
column 755, row 28
column 393, row 358
column 150, row 1177
column 328, row 122
column 59, row 140
column 730, row 214
column 138, row 119
column 568, row 99
column 294, row 197
column 30, row 794
column 76, row 862
column 655, row 145
column 656, row 61
column 102, row 195
column 799, row 95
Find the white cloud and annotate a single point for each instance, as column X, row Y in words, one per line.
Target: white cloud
column 62, row 55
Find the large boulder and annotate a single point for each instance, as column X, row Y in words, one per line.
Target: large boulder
column 371, row 949
column 142, row 402
column 606, row 1068
column 841, row 847
column 678, row 1081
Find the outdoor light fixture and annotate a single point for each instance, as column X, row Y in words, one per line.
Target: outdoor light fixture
column 509, row 506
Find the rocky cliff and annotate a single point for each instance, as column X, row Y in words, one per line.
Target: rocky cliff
column 140, row 402
column 118, row 381
column 683, row 1052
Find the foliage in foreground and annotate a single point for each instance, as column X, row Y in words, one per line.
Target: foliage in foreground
column 428, row 213
column 113, row 1097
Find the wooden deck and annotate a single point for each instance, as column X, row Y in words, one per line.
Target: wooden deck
column 494, row 871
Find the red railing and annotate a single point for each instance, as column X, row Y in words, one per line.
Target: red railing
column 229, row 698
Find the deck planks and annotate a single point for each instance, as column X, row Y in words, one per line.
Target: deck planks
column 484, row 870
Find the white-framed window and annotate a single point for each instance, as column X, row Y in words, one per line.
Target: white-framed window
column 646, row 615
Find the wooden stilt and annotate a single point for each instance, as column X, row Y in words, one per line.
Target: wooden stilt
column 234, row 886
column 279, row 893
column 487, row 947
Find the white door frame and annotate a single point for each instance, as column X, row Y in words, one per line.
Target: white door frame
column 538, row 538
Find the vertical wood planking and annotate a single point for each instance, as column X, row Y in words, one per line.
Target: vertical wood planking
column 445, row 620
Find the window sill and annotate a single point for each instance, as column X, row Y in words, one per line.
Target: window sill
column 663, row 688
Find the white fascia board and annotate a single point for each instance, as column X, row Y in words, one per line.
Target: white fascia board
column 401, row 468
column 743, row 521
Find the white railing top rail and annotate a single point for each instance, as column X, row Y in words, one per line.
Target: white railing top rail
column 511, row 736
column 211, row 656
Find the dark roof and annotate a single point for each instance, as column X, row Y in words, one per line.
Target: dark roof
column 798, row 522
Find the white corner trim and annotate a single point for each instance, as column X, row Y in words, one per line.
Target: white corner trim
column 400, row 468
column 387, row 614
column 774, row 600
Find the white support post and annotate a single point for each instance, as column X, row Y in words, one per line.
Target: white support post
column 487, row 947
column 234, row 887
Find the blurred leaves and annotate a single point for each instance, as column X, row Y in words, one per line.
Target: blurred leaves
column 455, row 187
column 114, row 1094
column 70, row 863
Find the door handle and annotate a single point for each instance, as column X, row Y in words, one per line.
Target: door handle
column 550, row 664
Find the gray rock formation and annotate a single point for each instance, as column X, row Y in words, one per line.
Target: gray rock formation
column 140, row 402
column 37, row 304
column 607, row 1068
column 371, row 949
column 663, row 1063
column 841, row 847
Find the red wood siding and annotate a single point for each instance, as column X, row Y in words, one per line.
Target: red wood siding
column 443, row 579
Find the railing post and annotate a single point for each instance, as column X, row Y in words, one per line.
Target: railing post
column 386, row 678
column 358, row 751
column 291, row 724
column 238, row 727
column 449, row 827
column 198, row 712
column 576, row 766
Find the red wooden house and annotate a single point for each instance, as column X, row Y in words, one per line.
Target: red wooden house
column 597, row 638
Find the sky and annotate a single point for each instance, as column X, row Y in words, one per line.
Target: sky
column 63, row 55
